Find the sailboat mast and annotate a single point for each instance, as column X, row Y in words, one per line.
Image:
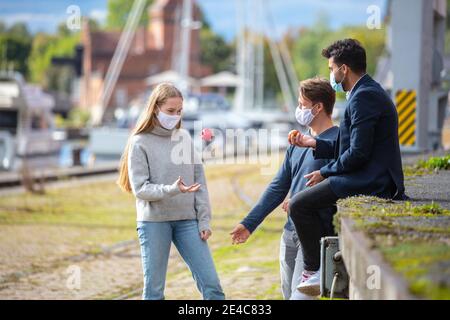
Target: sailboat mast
column 117, row 61
column 186, row 28
column 259, row 72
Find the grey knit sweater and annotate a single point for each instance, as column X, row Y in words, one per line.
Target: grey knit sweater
column 156, row 160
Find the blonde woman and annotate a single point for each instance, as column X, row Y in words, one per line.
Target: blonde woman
column 172, row 199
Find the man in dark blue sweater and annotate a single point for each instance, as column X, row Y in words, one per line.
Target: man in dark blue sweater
column 316, row 101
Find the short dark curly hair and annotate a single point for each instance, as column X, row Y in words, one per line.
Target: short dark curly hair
column 349, row 52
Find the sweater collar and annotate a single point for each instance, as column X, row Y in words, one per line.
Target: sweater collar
column 160, row 131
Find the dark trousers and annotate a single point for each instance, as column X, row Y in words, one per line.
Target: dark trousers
column 312, row 212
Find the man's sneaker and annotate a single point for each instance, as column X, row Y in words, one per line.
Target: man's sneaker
column 310, row 284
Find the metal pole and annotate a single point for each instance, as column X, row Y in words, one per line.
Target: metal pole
column 259, row 74
column 117, row 60
column 239, row 100
column 281, row 73
column 186, row 27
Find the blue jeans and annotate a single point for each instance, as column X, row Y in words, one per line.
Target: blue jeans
column 156, row 238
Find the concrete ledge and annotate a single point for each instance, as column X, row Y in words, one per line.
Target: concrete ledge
column 370, row 277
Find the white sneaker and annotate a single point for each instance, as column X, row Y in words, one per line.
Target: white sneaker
column 310, row 284
column 297, row 295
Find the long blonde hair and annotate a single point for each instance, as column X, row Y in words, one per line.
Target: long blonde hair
column 147, row 121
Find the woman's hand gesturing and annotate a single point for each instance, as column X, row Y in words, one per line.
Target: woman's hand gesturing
column 184, row 188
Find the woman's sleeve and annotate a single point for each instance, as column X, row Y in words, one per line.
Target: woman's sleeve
column 201, row 197
column 202, row 204
column 139, row 175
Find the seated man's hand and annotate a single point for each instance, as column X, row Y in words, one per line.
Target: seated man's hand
column 240, row 234
column 304, row 141
column 314, row 178
column 285, row 205
column 292, row 135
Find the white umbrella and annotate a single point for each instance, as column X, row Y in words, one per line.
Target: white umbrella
column 168, row 76
column 221, row 79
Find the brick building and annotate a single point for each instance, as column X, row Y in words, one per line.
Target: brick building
column 153, row 50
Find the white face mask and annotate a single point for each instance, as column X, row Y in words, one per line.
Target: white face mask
column 304, row 116
column 168, row 121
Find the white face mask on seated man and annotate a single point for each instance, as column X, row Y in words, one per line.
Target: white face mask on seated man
column 304, row 116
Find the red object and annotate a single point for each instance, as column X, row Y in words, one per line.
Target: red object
column 207, row 135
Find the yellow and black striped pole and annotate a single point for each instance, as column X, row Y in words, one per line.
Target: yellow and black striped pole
column 406, row 102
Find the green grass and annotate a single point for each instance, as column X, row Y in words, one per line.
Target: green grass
column 423, row 167
column 88, row 205
column 99, row 214
column 416, row 261
column 439, row 163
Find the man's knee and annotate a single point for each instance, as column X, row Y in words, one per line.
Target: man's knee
column 293, row 208
column 299, row 204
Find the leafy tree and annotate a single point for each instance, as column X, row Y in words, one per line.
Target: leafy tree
column 15, row 46
column 215, row 52
column 118, row 11
column 2, row 27
column 272, row 86
column 14, row 51
column 447, row 31
column 43, row 49
column 20, row 30
column 307, row 49
column 94, row 25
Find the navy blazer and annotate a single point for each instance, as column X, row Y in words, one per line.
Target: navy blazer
column 367, row 151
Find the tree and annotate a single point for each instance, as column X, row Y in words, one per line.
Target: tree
column 94, row 25
column 15, row 46
column 118, row 11
column 372, row 40
column 2, row 27
column 14, row 52
column 447, row 31
column 19, row 30
column 272, row 88
column 43, row 49
column 307, row 49
column 215, row 52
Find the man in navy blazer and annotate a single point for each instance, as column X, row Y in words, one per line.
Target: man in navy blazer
column 366, row 152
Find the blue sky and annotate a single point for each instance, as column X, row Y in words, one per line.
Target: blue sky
column 45, row 15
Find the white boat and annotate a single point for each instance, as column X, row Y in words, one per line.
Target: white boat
column 26, row 123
